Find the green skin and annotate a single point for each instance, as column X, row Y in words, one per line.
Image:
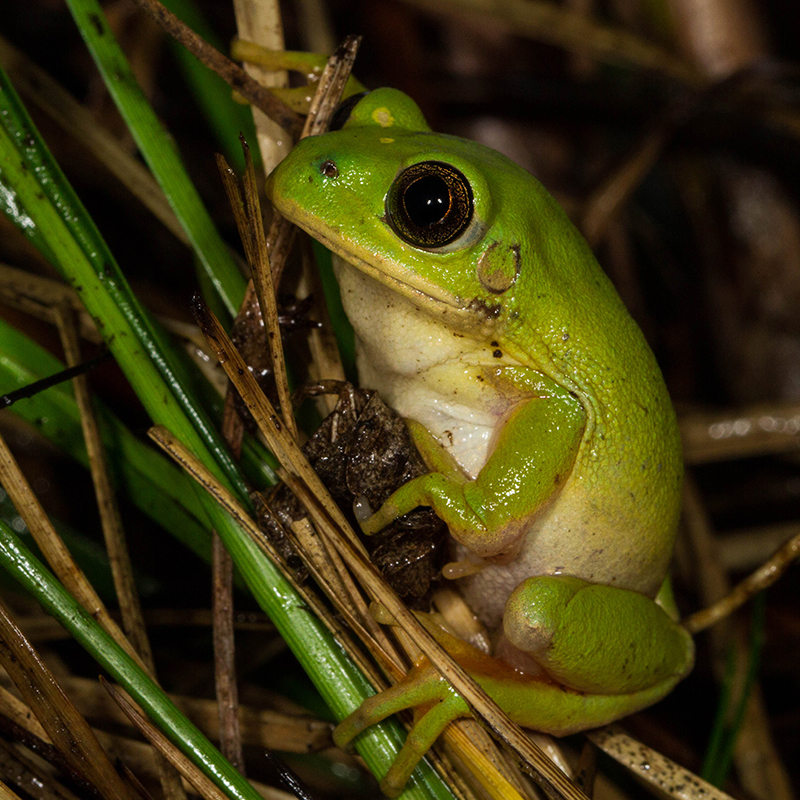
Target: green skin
column 554, row 452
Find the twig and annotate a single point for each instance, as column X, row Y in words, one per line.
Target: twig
column 764, row 576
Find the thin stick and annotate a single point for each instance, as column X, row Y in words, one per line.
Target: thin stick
column 265, row 291
column 764, row 576
column 110, row 519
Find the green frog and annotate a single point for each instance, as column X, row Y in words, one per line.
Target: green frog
column 483, row 318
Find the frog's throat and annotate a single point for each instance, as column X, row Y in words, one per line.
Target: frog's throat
column 470, row 314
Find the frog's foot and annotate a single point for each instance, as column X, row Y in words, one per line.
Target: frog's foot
column 309, row 65
column 436, row 704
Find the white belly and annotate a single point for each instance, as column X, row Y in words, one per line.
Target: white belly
column 423, row 369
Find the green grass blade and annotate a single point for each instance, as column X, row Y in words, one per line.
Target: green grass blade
column 159, row 152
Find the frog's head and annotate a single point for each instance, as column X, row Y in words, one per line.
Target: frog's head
column 443, row 221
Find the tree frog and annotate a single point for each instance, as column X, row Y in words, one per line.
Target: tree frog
column 483, row 318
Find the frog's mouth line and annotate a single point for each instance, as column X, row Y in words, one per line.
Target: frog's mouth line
column 437, row 295
column 460, row 312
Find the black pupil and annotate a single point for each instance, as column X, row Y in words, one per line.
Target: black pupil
column 427, row 200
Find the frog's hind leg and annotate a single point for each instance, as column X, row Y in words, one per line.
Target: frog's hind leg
column 418, row 688
column 420, row 739
column 310, row 65
column 439, row 704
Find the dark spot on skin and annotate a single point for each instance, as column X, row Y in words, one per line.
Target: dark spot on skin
column 495, row 344
column 329, row 169
column 498, row 353
column 480, row 378
column 98, row 24
column 565, row 337
column 573, row 394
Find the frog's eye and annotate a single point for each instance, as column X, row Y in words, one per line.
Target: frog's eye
column 429, row 204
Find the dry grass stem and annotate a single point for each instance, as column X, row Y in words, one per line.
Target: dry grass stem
column 65, row 726
column 20, row 715
column 39, row 297
column 29, row 776
column 194, row 468
column 290, row 732
column 110, row 519
column 326, row 97
column 265, row 291
column 268, row 257
column 53, row 548
column 329, row 568
column 653, row 769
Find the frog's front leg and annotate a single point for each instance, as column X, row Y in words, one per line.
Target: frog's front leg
column 532, row 457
